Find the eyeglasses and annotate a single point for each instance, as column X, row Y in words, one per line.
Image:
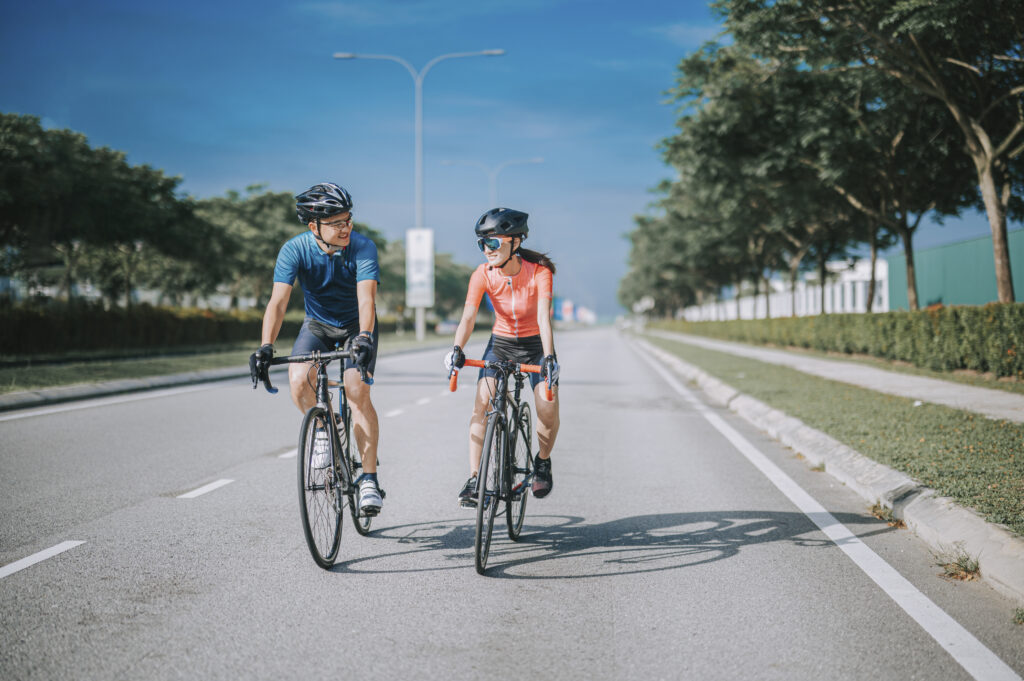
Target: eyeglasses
column 338, row 224
column 491, row 243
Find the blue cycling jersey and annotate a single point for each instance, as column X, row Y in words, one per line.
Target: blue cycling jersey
column 328, row 281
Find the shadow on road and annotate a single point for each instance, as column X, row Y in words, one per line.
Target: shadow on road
column 568, row 547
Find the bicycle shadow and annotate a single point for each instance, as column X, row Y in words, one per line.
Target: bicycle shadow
column 567, row 547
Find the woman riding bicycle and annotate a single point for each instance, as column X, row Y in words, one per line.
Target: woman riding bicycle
column 519, row 283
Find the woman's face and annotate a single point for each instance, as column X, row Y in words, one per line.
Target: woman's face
column 496, row 256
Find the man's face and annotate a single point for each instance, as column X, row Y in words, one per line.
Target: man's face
column 336, row 231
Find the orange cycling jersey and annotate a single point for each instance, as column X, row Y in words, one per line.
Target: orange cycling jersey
column 514, row 298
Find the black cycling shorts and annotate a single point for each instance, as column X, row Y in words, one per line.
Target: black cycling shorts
column 528, row 350
column 315, row 335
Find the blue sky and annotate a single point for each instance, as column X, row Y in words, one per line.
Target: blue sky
column 230, row 94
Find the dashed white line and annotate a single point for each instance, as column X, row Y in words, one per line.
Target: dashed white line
column 289, row 455
column 393, row 412
column 969, row 652
column 206, row 488
column 19, row 565
column 423, row 400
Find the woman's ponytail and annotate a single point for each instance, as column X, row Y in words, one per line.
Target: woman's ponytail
column 536, row 258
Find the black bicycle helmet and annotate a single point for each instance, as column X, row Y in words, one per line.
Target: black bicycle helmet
column 503, row 222
column 322, row 201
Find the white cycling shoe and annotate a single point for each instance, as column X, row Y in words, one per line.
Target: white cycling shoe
column 370, row 499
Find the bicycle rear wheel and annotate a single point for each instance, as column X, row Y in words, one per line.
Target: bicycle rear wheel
column 488, row 490
column 320, row 500
column 520, row 468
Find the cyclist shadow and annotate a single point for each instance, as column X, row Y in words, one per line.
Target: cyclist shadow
column 567, row 547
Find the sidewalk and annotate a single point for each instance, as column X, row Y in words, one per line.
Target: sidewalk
column 939, row 521
column 996, row 404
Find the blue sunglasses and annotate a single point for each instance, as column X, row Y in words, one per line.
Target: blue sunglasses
column 491, row 243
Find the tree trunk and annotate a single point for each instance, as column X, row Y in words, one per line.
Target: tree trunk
column 767, row 298
column 995, row 209
column 873, row 239
column 822, row 270
column 908, row 255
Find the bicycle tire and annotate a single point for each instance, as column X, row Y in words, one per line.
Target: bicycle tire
column 488, row 490
column 319, row 503
column 518, row 472
column 361, row 521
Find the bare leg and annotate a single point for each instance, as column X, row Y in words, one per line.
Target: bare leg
column 302, row 380
column 365, row 426
column 547, row 419
column 478, row 422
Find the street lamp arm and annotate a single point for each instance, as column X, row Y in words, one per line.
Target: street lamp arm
column 456, row 55
column 385, row 57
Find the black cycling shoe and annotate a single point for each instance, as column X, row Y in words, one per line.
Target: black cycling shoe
column 467, row 497
column 542, row 479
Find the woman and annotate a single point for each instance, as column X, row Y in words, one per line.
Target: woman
column 518, row 282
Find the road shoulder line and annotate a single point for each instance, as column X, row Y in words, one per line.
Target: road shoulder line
column 939, row 521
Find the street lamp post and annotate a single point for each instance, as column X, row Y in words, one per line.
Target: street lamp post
column 417, row 77
column 492, row 173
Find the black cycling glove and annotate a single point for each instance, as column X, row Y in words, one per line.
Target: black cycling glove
column 259, row 364
column 549, row 369
column 363, row 347
column 456, row 359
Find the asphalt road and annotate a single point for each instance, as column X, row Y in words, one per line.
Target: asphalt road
column 662, row 553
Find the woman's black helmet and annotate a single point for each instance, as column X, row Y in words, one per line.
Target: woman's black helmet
column 322, row 201
column 503, row 222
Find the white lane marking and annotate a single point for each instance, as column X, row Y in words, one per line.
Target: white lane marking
column 289, row 455
column 980, row 662
column 206, row 488
column 444, row 393
column 393, row 412
column 103, row 402
column 423, row 400
column 19, row 565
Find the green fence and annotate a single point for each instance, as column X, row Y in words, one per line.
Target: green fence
column 957, row 274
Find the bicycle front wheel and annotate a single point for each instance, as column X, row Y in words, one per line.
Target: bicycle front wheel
column 519, row 472
column 320, row 499
column 488, row 489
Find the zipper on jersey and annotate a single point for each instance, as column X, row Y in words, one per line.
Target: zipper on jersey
column 515, row 317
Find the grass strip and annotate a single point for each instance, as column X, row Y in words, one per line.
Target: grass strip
column 47, row 375
column 975, row 460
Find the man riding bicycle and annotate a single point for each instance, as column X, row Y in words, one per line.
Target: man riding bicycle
column 338, row 271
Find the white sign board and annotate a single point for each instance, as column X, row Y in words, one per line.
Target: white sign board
column 419, row 268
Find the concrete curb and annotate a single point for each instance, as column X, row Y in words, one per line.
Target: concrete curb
column 84, row 391
column 939, row 521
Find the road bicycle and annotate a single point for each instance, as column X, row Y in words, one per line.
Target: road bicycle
column 506, row 462
column 324, row 492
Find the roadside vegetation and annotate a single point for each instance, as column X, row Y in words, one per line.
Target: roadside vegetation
column 40, row 375
column 977, row 461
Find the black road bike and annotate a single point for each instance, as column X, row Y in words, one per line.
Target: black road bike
column 325, row 491
column 506, row 462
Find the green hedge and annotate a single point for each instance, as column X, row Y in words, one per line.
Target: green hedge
column 56, row 329
column 989, row 338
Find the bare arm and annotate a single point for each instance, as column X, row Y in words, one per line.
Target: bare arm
column 274, row 315
column 466, row 324
column 547, row 338
column 366, row 294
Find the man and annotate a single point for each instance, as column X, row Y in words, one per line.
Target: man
column 338, row 271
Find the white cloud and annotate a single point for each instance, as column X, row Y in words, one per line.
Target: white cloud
column 412, row 12
column 688, row 35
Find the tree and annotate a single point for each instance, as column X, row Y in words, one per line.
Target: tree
column 968, row 55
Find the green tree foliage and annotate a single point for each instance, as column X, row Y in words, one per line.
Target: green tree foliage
column 964, row 56
column 824, row 126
